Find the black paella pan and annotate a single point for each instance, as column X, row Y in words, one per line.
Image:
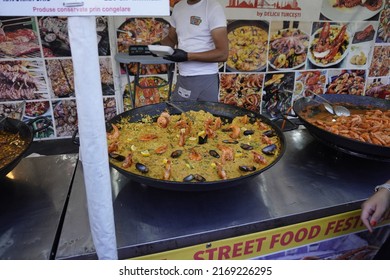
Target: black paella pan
column 226, row 112
column 26, row 133
column 338, row 142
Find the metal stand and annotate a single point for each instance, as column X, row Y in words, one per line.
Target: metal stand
column 143, row 59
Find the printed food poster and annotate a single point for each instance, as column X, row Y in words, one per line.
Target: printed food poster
column 36, row 66
column 278, row 51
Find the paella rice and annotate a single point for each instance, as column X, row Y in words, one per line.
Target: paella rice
column 11, row 146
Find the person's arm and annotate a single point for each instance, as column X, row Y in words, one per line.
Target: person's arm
column 221, row 51
column 170, row 39
column 375, row 207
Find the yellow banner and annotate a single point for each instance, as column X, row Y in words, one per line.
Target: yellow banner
column 269, row 241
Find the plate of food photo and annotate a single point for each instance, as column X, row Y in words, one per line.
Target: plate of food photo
column 248, row 41
column 288, row 49
column 351, row 10
column 329, row 45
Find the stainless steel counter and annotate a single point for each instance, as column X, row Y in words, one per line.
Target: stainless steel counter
column 309, row 182
column 32, row 200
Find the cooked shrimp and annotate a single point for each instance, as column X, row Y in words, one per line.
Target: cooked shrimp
column 244, row 119
column 227, row 153
column 258, row 158
column 182, row 137
column 265, row 139
column 235, row 131
column 184, row 124
column 167, row 170
column 194, row 155
column 114, row 134
column 128, row 161
column 162, row 149
column 113, row 147
column 217, row 123
column 163, row 120
column 261, row 125
column 147, row 137
column 210, row 133
column 221, row 172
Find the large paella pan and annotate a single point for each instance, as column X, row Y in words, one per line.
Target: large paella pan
column 193, row 146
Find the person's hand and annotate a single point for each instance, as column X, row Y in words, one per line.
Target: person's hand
column 177, row 56
column 374, row 208
column 157, row 43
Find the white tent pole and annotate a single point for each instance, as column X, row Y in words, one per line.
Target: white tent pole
column 92, row 134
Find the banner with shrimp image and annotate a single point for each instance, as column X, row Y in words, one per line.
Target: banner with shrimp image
column 280, row 240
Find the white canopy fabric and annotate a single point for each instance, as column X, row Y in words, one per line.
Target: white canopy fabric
column 92, row 134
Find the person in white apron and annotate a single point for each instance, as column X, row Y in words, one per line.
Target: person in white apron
column 199, row 33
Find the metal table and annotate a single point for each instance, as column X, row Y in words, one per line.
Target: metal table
column 310, row 181
column 32, row 199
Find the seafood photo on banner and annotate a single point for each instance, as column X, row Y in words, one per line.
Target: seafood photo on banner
column 288, row 45
column 277, row 94
column 307, row 81
column 383, row 35
column 372, row 5
column 141, row 31
column 378, row 87
column 248, row 44
column 380, row 62
column 329, row 44
column 36, row 109
column 150, row 90
column 242, row 90
column 346, row 82
column 145, row 69
column 351, row 10
column 365, row 32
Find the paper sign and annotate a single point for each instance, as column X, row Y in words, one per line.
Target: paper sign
column 84, row 8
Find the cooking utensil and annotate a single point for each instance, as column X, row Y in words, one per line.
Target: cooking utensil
column 225, row 111
column 180, row 110
column 334, row 110
column 338, row 142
